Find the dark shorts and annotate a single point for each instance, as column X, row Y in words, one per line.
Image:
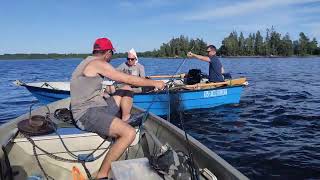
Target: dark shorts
column 99, row 119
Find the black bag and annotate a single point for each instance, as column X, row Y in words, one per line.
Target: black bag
column 226, row 76
column 63, row 114
column 172, row 165
column 194, row 76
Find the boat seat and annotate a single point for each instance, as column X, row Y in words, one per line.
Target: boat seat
column 133, row 169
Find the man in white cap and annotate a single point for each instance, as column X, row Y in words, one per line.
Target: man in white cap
column 132, row 67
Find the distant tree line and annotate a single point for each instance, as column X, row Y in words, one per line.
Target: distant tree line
column 41, row 56
column 273, row 44
column 178, row 47
column 50, row 56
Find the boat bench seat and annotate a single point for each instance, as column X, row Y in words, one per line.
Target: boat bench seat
column 133, row 169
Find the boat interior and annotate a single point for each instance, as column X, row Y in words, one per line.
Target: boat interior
column 68, row 152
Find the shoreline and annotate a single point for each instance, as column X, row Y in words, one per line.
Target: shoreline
column 168, row 58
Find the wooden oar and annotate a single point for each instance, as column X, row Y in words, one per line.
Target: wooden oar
column 167, row 76
column 239, row 81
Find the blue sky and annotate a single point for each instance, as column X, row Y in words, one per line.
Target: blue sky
column 60, row 26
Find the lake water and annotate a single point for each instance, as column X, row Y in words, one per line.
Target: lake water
column 274, row 133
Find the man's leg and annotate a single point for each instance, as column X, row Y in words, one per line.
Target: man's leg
column 124, row 102
column 126, row 105
column 125, row 135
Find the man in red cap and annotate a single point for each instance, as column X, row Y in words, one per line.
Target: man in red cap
column 96, row 111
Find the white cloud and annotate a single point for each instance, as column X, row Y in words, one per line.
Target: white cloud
column 307, row 10
column 314, row 29
column 144, row 4
column 241, row 8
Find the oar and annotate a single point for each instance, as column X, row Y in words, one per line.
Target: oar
column 239, row 81
column 167, row 76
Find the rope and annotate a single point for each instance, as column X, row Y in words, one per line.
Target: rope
column 58, row 158
column 191, row 162
column 66, row 148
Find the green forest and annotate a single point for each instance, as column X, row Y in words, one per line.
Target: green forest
column 273, row 44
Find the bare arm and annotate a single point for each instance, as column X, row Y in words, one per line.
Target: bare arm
column 105, row 69
column 202, row 58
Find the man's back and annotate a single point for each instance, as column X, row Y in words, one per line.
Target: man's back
column 84, row 97
column 215, row 70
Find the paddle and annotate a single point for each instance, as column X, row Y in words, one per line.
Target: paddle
column 167, row 76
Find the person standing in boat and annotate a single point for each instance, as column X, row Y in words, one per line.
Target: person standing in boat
column 96, row 112
column 215, row 67
column 132, row 67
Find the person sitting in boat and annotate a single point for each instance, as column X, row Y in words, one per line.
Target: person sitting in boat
column 215, row 67
column 96, row 112
column 132, row 67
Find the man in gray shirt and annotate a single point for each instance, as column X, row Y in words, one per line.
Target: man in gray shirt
column 132, row 67
column 97, row 112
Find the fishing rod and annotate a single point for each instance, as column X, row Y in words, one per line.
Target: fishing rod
column 194, row 175
column 171, row 80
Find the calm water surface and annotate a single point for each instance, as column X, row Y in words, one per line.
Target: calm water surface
column 274, row 133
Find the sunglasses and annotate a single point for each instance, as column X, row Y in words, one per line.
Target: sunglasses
column 111, row 51
column 131, row 59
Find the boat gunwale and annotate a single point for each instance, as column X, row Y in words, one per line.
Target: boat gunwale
column 197, row 145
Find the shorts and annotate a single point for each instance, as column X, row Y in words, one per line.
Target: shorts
column 99, row 119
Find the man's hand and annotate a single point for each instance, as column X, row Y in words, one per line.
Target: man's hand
column 190, row 54
column 159, row 85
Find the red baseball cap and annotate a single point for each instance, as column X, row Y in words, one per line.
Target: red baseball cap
column 102, row 44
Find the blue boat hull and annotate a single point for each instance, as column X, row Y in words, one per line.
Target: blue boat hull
column 186, row 100
column 158, row 103
column 47, row 96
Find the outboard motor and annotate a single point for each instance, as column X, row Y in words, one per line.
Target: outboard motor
column 194, row 76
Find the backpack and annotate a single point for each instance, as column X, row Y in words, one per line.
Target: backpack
column 194, row 76
column 65, row 115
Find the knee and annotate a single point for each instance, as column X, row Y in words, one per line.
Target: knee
column 127, row 87
column 131, row 134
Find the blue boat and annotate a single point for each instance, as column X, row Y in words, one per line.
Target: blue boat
column 183, row 97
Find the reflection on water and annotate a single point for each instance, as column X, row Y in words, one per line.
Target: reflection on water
column 272, row 134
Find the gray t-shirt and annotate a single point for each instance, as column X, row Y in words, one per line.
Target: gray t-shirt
column 86, row 92
column 136, row 70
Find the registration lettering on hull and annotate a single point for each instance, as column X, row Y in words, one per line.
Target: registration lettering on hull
column 215, row 93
